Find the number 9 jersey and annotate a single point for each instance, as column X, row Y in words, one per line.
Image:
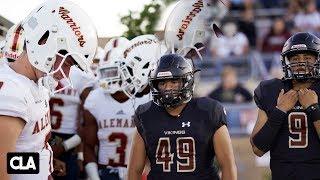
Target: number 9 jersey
column 181, row 147
column 297, row 140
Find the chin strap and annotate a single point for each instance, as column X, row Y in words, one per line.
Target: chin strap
column 49, row 83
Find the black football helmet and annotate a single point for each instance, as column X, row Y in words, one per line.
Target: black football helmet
column 302, row 42
column 172, row 66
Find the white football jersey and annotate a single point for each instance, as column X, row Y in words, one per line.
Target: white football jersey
column 115, row 126
column 64, row 106
column 21, row 97
column 64, row 110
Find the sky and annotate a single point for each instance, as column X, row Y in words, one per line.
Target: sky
column 104, row 13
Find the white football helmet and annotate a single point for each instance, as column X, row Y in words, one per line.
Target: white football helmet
column 59, row 28
column 97, row 59
column 188, row 27
column 14, row 43
column 140, row 57
column 116, row 42
column 109, row 74
column 2, row 44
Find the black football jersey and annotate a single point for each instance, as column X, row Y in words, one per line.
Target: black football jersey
column 297, row 140
column 181, row 147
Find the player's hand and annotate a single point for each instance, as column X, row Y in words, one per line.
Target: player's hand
column 58, row 150
column 59, row 167
column 307, row 97
column 80, row 165
column 286, row 101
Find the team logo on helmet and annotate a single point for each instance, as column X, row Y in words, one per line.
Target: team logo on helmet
column 185, row 22
column 64, row 15
column 299, row 46
column 139, row 43
column 164, row 74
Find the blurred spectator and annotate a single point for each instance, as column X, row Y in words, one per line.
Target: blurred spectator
column 275, row 39
column 271, row 3
column 309, row 19
column 241, row 4
column 232, row 43
column 246, row 25
column 230, row 91
column 294, row 7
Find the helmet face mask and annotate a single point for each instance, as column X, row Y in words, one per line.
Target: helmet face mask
column 300, row 57
column 140, row 56
column 172, row 68
column 109, row 72
column 109, row 77
column 303, row 67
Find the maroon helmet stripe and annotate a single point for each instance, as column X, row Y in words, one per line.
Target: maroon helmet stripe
column 106, row 58
column 115, row 43
column 16, row 38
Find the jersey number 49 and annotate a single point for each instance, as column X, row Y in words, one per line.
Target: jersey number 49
column 185, row 152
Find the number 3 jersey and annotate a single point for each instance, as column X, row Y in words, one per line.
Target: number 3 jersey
column 21, row 97
column 115, row 126
column 297, row 139
column 181, row 147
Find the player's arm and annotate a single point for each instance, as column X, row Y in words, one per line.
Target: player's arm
column 76, row 139
column 269, row 122
column 261, row 120
column 137, row 158
column 80, row 157
column 84, row 94
column 11, row 129
column 224, row 152
column 309, row 100
column 90, row 141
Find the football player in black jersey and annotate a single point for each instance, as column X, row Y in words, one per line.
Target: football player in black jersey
column 288, row 120
column 180, row 135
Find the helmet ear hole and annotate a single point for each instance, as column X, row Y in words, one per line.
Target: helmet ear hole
column 44, row 38
column 146, row 65
column 199, row 45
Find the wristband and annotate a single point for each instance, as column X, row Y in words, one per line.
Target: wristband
column 314, row 112
column 92, row 171
column 80, row 156
column 72, row 142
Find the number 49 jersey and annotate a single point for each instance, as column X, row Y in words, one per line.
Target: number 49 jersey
column 297, row 140
column 115, row 126
column 181, row 147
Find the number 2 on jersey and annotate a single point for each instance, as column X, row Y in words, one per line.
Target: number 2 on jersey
column 298, row 126
column 185, row 151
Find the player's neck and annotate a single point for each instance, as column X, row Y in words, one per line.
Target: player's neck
column 22, row 66
column 300, row 85
column 120, row 96
column 176, row 112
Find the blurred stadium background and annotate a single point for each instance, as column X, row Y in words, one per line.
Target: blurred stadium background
column 254, row 33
